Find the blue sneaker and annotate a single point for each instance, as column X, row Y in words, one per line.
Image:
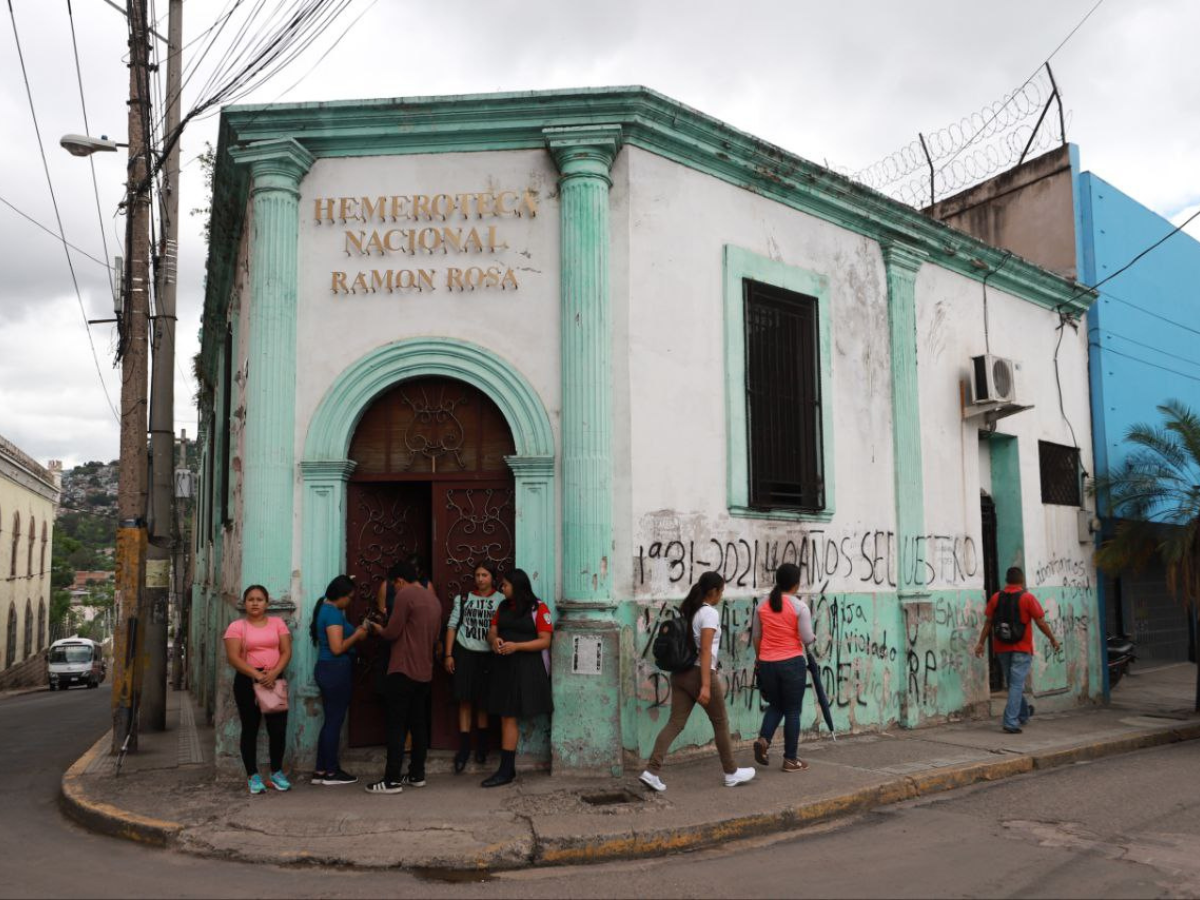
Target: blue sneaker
column 279, row 781
column 256, row 784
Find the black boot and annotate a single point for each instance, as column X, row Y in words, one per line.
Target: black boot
column 507, row 771
column 481, row 745
column 464, row 752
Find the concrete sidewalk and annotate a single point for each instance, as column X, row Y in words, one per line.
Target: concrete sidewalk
column 168, row 793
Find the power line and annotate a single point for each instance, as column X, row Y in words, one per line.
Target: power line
column 1113, row 334
column 1033, row 75
column 1162, row 240
column 57, row 215
column 54, row 234
column 87, row 129
column 1147, row 362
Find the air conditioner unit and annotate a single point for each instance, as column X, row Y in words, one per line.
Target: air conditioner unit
column 993, row 380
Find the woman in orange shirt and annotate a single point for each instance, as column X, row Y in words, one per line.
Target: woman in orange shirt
column 782, row 626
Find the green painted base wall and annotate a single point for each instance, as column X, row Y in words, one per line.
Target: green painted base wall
column 868, row 666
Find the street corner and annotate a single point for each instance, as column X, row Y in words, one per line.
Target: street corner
column 79, row 802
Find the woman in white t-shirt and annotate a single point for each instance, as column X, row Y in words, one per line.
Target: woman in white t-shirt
column 701, row 684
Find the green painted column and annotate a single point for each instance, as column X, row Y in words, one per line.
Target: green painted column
column 323, row 555
column 533, row 478
column 586, row 729
column 268, row 460
column 919, row 697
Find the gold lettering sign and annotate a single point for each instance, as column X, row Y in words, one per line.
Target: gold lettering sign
column 420, row 225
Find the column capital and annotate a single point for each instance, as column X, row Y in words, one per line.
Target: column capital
column 587, row 150
column 531, row 466
column 901, row 258
column 326, row 469
column 280, row 161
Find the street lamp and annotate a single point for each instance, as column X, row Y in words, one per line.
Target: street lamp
column 82, row 145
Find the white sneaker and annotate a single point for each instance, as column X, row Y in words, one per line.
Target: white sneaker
column 741, row 776
column 650, row 780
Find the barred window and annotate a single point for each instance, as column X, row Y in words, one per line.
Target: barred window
column 1060, row 474
column 783, row 399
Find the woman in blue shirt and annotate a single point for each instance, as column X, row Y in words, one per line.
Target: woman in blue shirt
column 334, row 673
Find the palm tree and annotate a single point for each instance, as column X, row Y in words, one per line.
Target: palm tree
column 1156, row 495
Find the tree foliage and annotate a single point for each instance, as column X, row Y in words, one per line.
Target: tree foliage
column 1156, row 495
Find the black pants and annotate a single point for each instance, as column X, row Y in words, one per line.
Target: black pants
column 251, row 715
column 407, row 702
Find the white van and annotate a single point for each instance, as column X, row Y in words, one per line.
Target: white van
column 75, row 660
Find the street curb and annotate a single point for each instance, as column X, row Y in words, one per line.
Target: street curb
column 105, row 818
column 572, row 851
column 110, row 820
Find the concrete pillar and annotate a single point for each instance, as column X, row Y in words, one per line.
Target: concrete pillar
column 920, row 663
column 586, row 731
column 268, row 463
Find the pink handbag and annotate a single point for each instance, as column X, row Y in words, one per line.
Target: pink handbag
column 270, row 700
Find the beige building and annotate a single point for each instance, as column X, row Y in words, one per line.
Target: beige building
column 28, row 497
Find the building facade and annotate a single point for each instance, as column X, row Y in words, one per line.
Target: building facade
column 1141, row 331
column 28, row 497
column 618, row 343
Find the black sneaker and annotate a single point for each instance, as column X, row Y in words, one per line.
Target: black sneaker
column 340, row 777
column 410, row 780
column 1008, row 730
column 383, row 786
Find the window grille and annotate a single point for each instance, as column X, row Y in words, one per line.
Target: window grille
column 783, row 399
column 1060, row 474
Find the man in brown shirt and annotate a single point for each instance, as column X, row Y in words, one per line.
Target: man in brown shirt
column 413, row 629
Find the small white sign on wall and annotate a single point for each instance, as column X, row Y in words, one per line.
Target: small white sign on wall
column 587, row 657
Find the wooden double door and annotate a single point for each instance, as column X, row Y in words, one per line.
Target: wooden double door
column 431, row 482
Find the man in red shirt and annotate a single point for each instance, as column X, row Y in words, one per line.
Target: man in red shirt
column 1015, row 657
column 413, row 629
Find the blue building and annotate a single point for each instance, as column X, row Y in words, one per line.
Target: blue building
column 1142, row 333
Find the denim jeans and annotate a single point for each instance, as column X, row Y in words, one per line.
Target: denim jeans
column 782, row 685
column 334, row 677
column 1016, row 669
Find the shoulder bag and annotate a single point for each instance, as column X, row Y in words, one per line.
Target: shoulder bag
column 270, row 700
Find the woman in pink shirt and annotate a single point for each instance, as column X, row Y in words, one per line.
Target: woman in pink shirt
column 782, row 626
column 259, row 648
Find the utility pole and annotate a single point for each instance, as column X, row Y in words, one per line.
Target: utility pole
column 131, row 486
column 159, row 554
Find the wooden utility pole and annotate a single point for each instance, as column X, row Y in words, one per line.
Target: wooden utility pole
column 131, row 486
column 159, row 554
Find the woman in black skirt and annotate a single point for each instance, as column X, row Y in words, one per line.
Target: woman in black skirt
column 520, row 676
column 469, row 661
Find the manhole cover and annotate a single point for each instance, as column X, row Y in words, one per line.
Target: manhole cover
column 610, row 798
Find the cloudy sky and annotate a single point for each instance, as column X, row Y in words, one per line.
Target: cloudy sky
column 847, row 83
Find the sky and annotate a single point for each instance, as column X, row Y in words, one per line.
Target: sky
column 844, row 84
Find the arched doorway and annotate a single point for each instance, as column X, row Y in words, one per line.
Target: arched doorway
column 430, row 479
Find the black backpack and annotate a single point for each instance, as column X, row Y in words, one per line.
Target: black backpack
column 1006, row 621
column 673, row 648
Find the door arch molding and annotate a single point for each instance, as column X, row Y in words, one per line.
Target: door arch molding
column 325, row 468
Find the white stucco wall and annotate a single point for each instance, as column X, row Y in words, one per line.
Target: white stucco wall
column 950, row 330
column 683, row 219
column 520, row 326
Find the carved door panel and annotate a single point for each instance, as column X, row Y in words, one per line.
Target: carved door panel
column 473, row 522
column 385, row 522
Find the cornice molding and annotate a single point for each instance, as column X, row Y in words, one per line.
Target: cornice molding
column 634, row 116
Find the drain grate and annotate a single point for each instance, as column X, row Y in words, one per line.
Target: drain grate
column 610, row 798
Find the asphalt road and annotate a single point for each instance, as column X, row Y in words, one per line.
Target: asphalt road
column 1124, row 827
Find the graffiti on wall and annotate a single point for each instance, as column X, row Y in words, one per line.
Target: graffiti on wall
column 866, row 561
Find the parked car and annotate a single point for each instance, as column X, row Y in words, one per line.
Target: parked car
column 76, row 661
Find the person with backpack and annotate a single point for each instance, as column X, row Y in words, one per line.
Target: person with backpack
column 469, row 661
column 781, row 628
column 519, row 680
column 334, row 639
column 1008, row 615
column 688, row 647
